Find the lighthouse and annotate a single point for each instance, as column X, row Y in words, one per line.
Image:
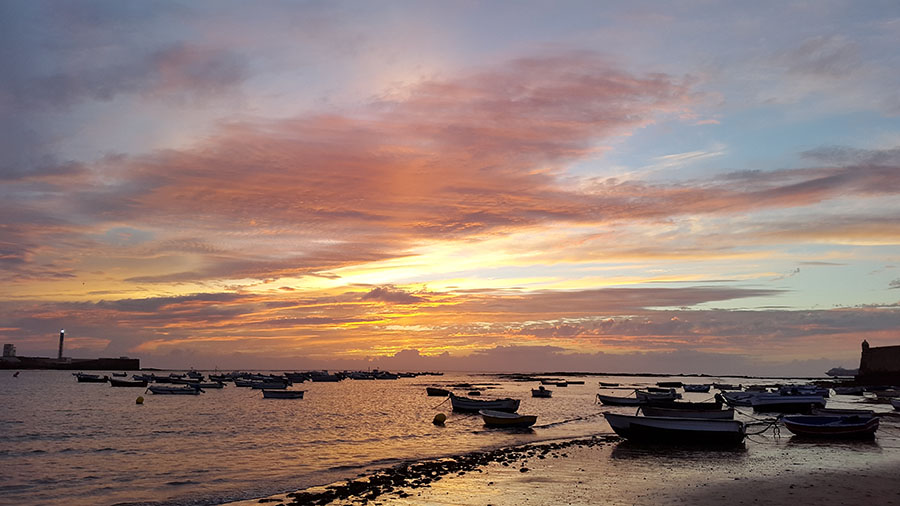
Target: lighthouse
column 62, row 335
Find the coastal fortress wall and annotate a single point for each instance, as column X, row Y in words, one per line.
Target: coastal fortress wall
column 879, row 364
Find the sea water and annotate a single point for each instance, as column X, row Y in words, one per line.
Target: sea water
column 64, row 442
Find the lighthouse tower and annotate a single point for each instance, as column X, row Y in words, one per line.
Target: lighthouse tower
column 62, row 335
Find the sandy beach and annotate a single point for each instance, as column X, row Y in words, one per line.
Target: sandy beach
column 604, row 469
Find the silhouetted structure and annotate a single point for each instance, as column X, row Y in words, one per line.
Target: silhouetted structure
column 879, row 366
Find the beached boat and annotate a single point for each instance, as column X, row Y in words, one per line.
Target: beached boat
column 843, row 412
column 677, row 430
column 268, row 385
column 437, row 392
column 772, row 403
column 669, row 395
column 665, row 410
column 608, row 385
column 615, row 400
column 114, row 382
column 832, row 426
column 541, row 392
column 503, row 419
column 895, row 403
column 283, row 394
column 466, row 405
column 562, row 384
column 89, row 378
column 575, row 382
column 167, row 390
column 696, row 388
column 739, row 398
column 120, row 374
column 726, row 386
column 670, row 384
column 208, row 384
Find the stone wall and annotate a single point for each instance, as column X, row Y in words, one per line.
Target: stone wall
column 879, row 365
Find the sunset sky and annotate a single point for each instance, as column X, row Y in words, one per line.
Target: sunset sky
column 511, row 185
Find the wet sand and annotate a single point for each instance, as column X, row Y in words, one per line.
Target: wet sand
column 607, row 470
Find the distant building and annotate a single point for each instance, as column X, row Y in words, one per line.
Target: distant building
column 9, row 350
column 879, row 365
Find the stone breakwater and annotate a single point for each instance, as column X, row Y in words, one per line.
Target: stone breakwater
column 399, row 480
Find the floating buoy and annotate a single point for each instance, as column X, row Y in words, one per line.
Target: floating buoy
column 439, row 419
column 139, row 400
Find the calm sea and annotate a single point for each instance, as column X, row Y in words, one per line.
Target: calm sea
column 71, row 443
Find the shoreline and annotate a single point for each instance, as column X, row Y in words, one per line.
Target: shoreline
column 610, row 470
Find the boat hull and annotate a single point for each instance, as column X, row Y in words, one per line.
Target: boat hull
column 674, row 430
column 544, row 394
column 503, row 419
column 436, row 392
column 283, row 394
column 113, row 382
column 787, row 403
column 612, row 400
column 709, row 414
column 466, row 405
column 832, row 426
column 174, row 390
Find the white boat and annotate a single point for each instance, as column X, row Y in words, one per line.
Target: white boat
column 615, row 400
column 167, row 390
column 466, row 405
column 503, row 419
column 710, row 414
column 541, row 392
column 677, row 430
column 786, row 403
column 283, row 394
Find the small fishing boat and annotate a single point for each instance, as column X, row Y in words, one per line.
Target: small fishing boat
column 563, row 384
column 773, row 403
column 541, row 392
column 89, row 378
column 664, row 410
column 575, row 382
column 843, row 412
column 669, row 395
column 696, row 388
column 726, row 386
column 113, row 382
column 466, row 405
column 119, row 374
column 614, row 400
column 208, row 384
column 282, row 394
column 666, row 429
column 474, row 392
column 503, row 419
column 269, row 385
column 670, row 384
column 832, row 426
column 608, row 385
column 691, row 405
column 895, row 403
column 549, row 381
column 739, row 398
column 167, row 390
column 437, row 392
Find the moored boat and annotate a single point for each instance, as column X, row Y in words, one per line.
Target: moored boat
column 773, row 403
column 282, row 394
column 541, row 392
column 677, row 430
column 607, row 384
column 167, row 390
column 832, row 426
column 466, row 405
column 614, row 400
column 437, row 392
column 503, row 419
column 696, row 388
column 89, row 378
column 114, row 382
column 669, row 395
column 664, row 410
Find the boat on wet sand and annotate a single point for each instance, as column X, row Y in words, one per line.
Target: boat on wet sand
column 664, row 429
column 437, row 392
column 773, row 403
column 541, row 392
column 615, row 400
column 89, row 378
column 832, row 426
column 503, row 419
column 282, row 394
column 696, row 388
column 711, row 414
column 167, row 390
column 466, row 405
column 895, row 403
